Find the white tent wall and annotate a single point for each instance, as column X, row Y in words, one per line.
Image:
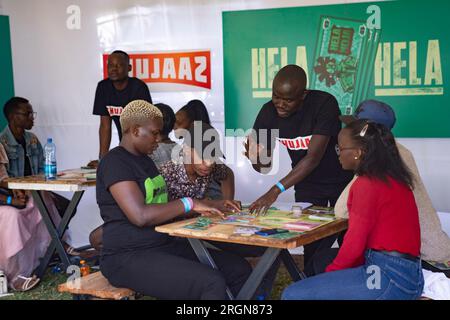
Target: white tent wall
column 58, row 69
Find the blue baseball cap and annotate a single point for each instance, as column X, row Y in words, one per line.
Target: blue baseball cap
column 374, row 110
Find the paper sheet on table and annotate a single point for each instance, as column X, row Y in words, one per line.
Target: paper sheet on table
column 78, row 174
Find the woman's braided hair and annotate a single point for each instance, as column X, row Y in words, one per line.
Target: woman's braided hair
column 380, row 158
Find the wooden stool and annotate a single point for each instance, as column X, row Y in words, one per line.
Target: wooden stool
column 95, row 285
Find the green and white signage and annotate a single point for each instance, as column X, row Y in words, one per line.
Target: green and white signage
column 396, row 51
column 6, row 83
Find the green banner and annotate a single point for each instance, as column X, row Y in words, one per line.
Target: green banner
column 6, row 83
column 394, row 51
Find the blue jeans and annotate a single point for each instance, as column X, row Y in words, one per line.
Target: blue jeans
column 382, row 277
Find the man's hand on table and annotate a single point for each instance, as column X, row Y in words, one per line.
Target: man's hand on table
column 262, row 204
column 92, row 164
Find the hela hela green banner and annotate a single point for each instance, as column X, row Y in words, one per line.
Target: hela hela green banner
column 396, row 51
column 6, row 83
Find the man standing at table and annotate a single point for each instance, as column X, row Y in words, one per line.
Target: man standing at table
column 308, row 124
column 113, row 94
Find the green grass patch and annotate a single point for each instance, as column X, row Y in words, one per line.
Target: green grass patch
column 47, row 288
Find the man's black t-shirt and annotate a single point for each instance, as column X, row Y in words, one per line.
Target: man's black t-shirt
column 110, row 102
column 319, row 115
column 119, row 234
column 27, row 167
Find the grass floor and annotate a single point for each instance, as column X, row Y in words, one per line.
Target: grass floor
column 47, row 288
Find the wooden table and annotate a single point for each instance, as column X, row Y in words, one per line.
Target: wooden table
column 275, row 247
column 37, row 183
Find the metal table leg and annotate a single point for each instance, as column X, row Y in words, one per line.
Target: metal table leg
column 258, row 273
column 291, row 266
column 205, row 257
column 55, row 233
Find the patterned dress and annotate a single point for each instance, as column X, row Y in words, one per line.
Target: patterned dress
column 179, row 185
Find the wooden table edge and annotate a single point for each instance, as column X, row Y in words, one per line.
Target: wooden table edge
column 53, row 185
column 303, row 239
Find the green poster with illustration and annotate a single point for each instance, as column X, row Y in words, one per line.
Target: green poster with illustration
column 344, row 54
column 6, row 83
column 394, row 51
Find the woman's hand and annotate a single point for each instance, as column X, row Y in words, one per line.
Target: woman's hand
column 19, row 202
column 216, row 207
column 20, row 194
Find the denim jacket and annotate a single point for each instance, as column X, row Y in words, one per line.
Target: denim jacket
column 15, row 153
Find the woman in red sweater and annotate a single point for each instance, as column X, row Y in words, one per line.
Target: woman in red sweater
column 379, row 258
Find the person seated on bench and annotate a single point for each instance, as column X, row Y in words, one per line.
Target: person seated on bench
column 132, row 198
column 191, row 175
column 24, row 238
column 196, row 178
column 25, row 153
column 379, row 258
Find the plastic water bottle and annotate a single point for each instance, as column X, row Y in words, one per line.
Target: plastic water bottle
column 84, row 268
column 3, row 283
column 50, row 160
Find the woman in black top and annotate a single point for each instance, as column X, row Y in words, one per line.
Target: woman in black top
column 132, row 198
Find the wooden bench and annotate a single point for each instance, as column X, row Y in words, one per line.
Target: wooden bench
column 95, row 285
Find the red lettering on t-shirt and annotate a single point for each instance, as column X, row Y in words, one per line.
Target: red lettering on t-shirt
column 114, row 111
column 303, row 143
column 299, row 143
column 307, row 141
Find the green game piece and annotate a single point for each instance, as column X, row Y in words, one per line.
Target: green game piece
column 284, row 235
column 202, row 223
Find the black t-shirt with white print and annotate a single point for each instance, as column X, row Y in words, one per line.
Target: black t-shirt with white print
column 110, row 102
column 319, row 115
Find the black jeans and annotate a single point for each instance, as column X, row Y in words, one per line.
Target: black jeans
column 247, row 251
column 61, row 203
column 174, row 272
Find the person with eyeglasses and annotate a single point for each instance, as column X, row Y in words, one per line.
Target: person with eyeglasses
column 380, row 256
column 22, row 146
column 435, row 242
column 24, row 151
column 24, row 238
